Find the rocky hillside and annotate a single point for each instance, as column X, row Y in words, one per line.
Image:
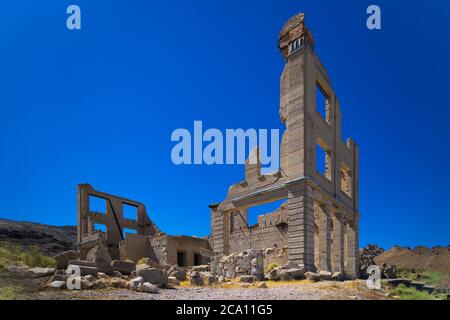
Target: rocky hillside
column 436, row 259
column 48, row 239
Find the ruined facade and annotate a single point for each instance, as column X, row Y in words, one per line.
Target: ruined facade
column 319, row 220
column 143, row 239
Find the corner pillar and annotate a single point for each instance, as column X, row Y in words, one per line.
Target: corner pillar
column 301, row 226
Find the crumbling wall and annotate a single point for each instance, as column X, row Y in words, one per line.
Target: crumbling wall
column 246, row 263
column 271, row 231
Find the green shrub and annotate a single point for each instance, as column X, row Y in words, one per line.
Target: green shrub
column 10, row 293
column 272, row 266
column 407, row 293
column 14, row 254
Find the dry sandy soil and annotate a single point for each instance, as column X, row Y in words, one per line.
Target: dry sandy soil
column 297, row 290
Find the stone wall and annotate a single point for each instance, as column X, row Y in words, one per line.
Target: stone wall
column 271, row 231
column 249, row 262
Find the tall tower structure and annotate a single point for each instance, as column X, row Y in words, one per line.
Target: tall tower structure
column 318, row 173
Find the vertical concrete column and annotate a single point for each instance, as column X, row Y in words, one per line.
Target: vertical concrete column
column 352, row 259
column 82, row 212
column 220, row 227
column 338, row 241
column 301, row 226
column 324, row 211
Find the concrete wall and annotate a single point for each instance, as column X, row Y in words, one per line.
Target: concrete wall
column 322, row 209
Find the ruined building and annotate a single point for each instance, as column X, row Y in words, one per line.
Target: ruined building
column 318, row 223
column 132, row 237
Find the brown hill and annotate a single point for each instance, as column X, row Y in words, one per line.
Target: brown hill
column 436, row 259
column 48, row 239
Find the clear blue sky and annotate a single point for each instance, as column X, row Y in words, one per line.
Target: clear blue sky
column 99, row 105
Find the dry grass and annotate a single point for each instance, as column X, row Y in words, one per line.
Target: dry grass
column 16, row 255
column 10, row 293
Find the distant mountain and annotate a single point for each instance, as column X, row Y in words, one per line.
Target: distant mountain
column 48, row 239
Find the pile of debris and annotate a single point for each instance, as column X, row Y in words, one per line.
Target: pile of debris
column 367, row 258
column 247, row 265
column 98, row 271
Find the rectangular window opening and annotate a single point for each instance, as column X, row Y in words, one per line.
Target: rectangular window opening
column 97, row 204
column 99, row 227
column 323, row 161
column 129, row 211
column 322, row 100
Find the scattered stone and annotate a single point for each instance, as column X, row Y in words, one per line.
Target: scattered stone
column 249, row 262
column 100, row 284
column 137, row 280
column 90, row 278
column 262, row 285
column 272, row 275
column 149, row 288
column 247, row 279
column 124, row 267
column 201, row 268
column 86, row 285
column 62, row 259
column 119, row 283
column 57, row 284
column 196, row 281
column 59, row 277
column 38, row 272
column 208, row 278
column 174, row 281
column 194, row 274
column 117, row 274
column 338, row 276
column 85, row 270
column 100, row 256
column 388, row 271
column 325, row 275
column 312, row 276
column 82, row 263
column 179, row 274
column 154, row 276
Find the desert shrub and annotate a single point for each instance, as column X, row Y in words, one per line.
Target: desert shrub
column 14, row 254
column 34, row 258
column 407, row 293
column 272, row 266
column 432, row 277
column 10, row 293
